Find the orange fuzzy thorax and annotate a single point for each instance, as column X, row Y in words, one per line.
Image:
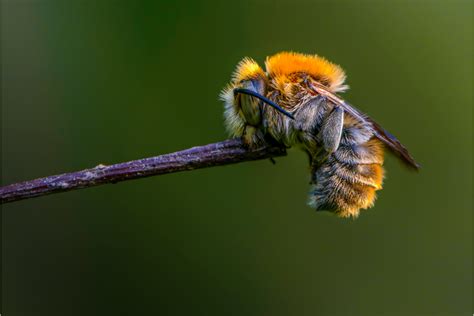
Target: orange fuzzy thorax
column 283, row 64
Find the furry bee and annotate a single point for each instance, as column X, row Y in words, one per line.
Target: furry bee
column 294, row 103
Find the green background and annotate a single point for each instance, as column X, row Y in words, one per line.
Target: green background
column 88, row 82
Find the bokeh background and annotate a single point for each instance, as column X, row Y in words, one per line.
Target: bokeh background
column 88, row 82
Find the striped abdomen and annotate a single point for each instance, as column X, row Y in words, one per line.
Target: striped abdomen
column 346, row 180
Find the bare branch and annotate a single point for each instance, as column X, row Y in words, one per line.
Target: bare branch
column 212, row 155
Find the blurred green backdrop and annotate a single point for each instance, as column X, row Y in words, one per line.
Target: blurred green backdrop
column 88, row 82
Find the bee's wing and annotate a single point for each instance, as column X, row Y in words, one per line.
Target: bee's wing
column 388, row 139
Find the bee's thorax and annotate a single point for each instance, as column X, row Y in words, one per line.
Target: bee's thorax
column 286, row 64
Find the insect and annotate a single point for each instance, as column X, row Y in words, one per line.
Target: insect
column 294, row 103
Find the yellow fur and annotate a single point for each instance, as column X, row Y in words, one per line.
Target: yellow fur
column 286, row 63
column 248, row 69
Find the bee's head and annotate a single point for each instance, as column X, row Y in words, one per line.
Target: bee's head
column 244, row 98
column 249, row 77
column 250, row 85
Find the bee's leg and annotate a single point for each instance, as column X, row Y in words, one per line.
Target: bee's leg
column 253, row 137
column 309, row 117
column 331, row 129
column 329, row 136
column 270, row 141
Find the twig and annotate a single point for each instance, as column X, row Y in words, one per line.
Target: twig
column 217, row 154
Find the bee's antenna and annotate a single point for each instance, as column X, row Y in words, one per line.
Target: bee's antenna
column 267, row 101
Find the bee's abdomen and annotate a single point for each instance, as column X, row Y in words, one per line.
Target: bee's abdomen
column 346, row 181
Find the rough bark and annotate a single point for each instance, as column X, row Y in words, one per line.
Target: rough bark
column 212, row 155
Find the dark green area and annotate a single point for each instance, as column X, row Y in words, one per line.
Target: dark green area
column 89, row 82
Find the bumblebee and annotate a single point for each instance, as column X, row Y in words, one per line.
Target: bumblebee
column 294, row 103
